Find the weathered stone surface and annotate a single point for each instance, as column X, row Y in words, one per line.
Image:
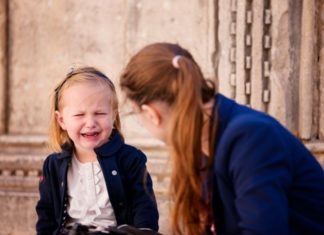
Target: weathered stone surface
column 3, row 61
column 321, row 71
column 308, row 63
column 259, row 57
column 17, row 213
column 226, row 37
column 189, row 23
column 282, row 68
column 48, row 37
column 192, row 26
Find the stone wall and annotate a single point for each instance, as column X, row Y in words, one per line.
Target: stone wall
column 321, row 66
column 319, row 146
column 3, row 63
column 40, row 41
column 47, row 38
column 259, row 55
column 266, row 54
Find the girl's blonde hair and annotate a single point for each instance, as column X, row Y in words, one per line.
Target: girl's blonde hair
column 166, row 72
column 59, row 137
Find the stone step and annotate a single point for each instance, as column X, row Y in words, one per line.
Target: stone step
column 22, row 156
column 39, row 144
column 25, row 144
column 16, row 162
column 21, row 170
column 19, row 161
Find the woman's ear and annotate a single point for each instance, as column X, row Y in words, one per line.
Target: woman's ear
column 151, row 113
column 60, row 120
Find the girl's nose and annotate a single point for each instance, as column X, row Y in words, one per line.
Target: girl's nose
column 90, row 122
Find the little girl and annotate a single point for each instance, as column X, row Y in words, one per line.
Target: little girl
column 93, row 178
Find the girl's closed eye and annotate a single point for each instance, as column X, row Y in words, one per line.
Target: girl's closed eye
column 78, row 115
column 101, row 113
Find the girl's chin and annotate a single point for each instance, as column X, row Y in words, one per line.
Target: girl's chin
column 92, row 145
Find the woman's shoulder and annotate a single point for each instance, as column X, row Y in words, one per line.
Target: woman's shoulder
column 236, row 117
column 248, row 132
column 252, row 122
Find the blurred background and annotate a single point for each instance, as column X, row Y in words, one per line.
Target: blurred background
column 266, row 54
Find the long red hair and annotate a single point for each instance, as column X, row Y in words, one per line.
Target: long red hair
column 151, row 76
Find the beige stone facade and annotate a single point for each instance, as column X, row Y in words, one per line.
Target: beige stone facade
column 267, row 54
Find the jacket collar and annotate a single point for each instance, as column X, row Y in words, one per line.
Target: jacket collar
column 67, row 151
column 112, row 146
column 108, row 149
column 224, row 108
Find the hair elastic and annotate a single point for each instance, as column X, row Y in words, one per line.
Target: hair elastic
column 175, row 61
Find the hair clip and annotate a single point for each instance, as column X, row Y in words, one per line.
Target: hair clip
column 175, row 61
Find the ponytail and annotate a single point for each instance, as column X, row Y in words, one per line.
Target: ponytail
column 186, row 178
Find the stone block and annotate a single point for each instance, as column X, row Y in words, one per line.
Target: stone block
column 48, row 37
column 17, row 213
column 3, row 64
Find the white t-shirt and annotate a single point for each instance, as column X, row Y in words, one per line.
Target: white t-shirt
column 89, row 202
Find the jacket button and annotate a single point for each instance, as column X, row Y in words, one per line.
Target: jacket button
column 114, row 172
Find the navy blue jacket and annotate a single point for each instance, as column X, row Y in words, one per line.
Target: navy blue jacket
column 133, row 202
column 265, row 181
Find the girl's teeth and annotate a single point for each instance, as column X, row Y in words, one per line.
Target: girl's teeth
column 90, row 134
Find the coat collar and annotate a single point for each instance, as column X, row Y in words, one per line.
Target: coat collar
column 224, row 108
column 112, row 146
column 108, row 149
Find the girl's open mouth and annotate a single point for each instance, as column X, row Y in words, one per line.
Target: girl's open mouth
column 90, row 134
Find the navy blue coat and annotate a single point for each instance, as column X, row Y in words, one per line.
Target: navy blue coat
column 133, row 202
column 265, row 181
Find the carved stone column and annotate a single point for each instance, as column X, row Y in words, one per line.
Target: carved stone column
column 259, row 50
column 321, row 68
column 3, row 63
column 307, row 70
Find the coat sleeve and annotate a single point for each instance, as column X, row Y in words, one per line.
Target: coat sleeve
column 44, row 208
column 140, row 189
column 260, row 172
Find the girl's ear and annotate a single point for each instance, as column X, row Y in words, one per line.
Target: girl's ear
column 60, row 120
column 151, row 113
